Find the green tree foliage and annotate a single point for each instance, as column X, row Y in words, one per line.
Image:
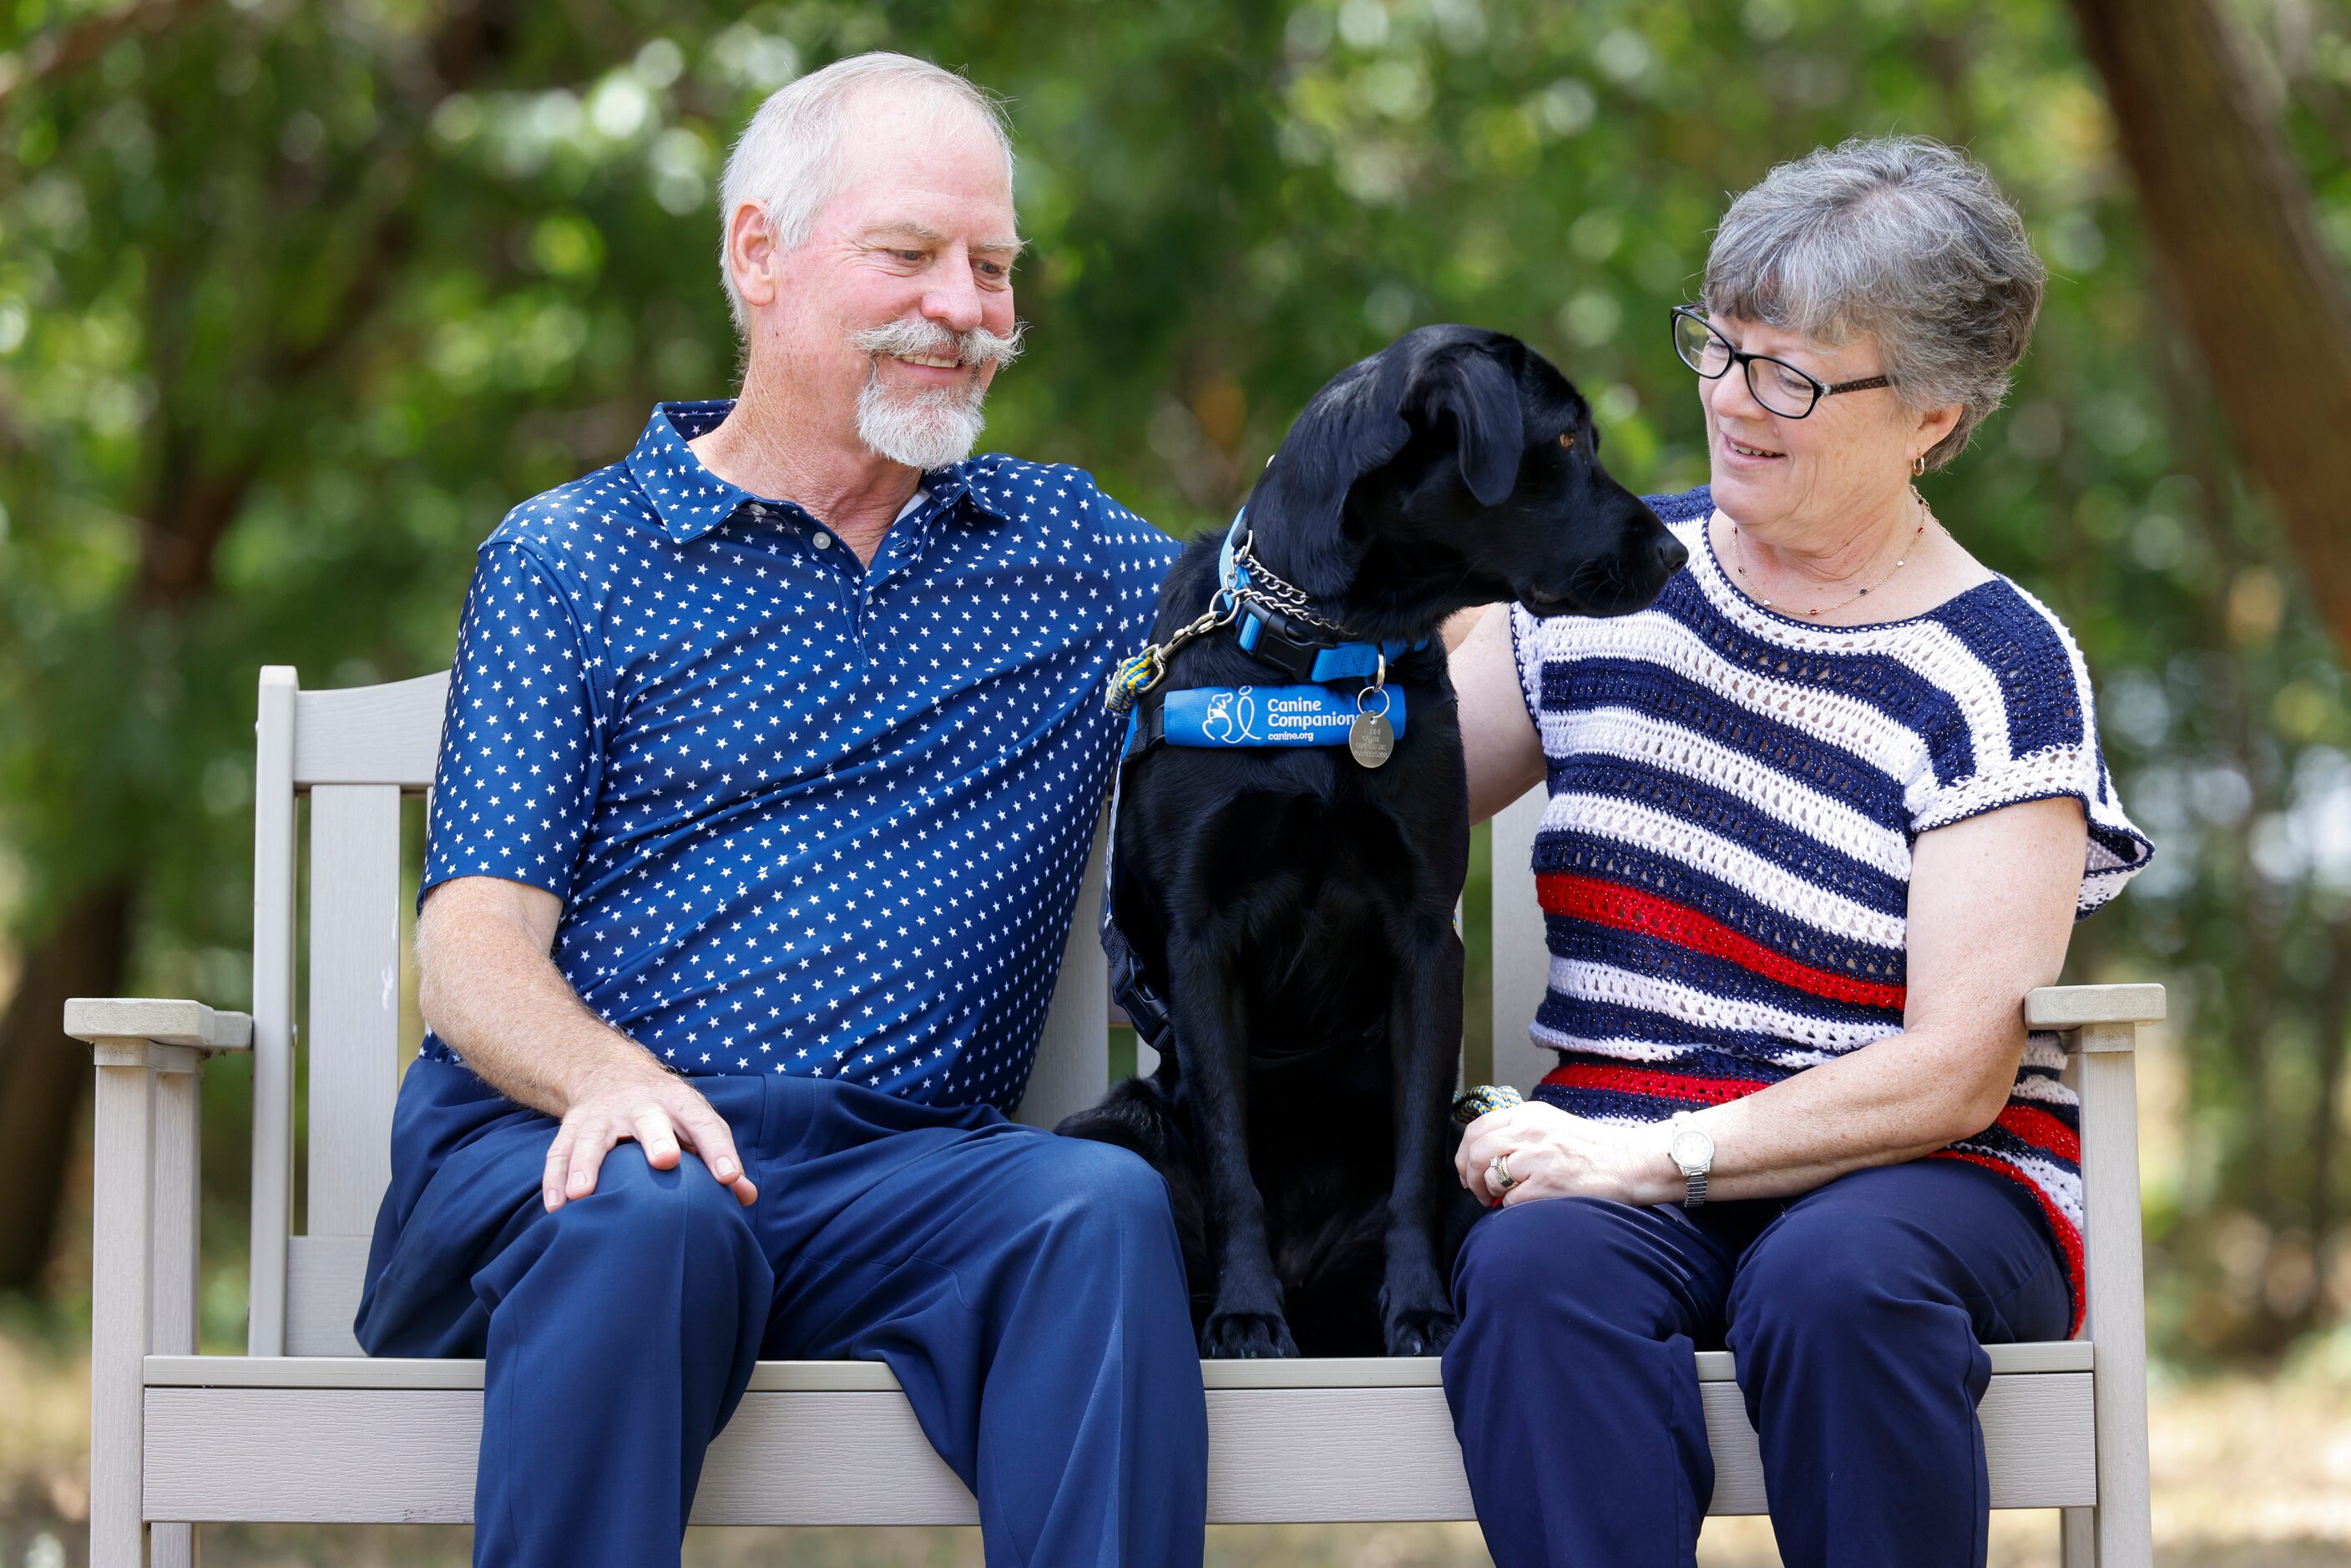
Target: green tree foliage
column 296, row 299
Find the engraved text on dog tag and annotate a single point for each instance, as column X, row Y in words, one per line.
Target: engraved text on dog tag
column 1371, row 739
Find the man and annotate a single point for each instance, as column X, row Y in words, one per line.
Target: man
column 751, row 857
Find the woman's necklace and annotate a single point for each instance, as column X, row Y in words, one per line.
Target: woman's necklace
column 1738, row 556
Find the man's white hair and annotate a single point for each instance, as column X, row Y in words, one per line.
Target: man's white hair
column 788, row 159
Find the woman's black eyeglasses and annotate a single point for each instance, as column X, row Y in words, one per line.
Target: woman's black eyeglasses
column 1775, row 383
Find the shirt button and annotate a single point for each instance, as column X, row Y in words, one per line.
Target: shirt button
column 824, row 542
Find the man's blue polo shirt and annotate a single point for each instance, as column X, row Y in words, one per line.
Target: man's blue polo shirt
column 805, row 815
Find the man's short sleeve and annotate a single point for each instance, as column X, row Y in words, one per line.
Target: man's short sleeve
column 1140, row 558
column 521, row 745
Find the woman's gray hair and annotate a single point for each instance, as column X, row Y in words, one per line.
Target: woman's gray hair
column 1900, row 239
column 789, row 159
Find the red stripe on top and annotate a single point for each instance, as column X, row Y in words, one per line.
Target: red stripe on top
column 2043, row 1130
column 1627, row 909
column 1657, row 1085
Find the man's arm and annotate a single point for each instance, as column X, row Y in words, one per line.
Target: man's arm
column 487, row 988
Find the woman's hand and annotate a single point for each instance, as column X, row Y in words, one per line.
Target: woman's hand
column 1555, row 1155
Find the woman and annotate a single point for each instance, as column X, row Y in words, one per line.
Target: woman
column 1818, row 820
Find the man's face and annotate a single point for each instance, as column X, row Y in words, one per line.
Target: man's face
column 898, row 310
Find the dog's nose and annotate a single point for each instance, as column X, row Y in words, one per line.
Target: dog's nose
column 1672, row 555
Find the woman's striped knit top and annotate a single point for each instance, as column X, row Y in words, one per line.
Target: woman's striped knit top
column 1724, row 864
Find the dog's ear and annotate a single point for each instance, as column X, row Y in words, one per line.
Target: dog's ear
column 1355, row 424
column 1472, row 382
column 1364, row 416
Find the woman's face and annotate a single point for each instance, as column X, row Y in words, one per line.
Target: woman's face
column 1845, row 460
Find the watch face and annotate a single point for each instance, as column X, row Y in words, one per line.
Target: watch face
column 1691, row 1149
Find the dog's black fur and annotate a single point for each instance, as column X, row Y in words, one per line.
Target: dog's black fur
column 1296, row 909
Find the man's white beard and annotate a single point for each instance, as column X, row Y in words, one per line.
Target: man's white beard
column 922, row 427
column 927, row 427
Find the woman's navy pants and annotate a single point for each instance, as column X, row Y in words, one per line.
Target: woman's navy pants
column 1858, row 1311
column 1026, row 1290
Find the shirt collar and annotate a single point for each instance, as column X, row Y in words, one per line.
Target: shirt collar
column 691, row 500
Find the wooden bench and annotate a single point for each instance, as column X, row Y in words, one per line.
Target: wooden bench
column 303, row 1429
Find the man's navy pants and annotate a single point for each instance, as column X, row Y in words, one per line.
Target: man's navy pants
column 1858, row 1313
column 1026, row 1290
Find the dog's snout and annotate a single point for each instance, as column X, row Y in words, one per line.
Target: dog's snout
column 1672, row 555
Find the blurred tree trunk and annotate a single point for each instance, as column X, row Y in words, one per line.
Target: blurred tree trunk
column 198, row 472
column 42, row 1072
column 2232, row 221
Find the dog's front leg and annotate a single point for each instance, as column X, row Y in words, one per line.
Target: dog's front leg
column 1212, row 1045
column 1423, row 1039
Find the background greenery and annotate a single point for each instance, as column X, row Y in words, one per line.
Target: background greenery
column 297, row 299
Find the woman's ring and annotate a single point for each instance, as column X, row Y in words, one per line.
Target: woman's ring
column 1497, row 1174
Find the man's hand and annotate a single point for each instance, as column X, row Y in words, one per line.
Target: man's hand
column 489, row 988
column 1555, row 1155
column 661, row 1110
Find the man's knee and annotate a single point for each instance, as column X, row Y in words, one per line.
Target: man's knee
column 1087, row 1186
column 645, row 1222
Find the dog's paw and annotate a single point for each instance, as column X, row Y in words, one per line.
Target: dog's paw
column 1421, row 1331
column 1245, row 1336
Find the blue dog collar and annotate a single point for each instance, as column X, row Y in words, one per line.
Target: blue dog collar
column 1213, row 716
column 1279, row 639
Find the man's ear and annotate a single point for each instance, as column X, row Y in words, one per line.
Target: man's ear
column 1355, row 424
column 1472, row 384
column 751, row 253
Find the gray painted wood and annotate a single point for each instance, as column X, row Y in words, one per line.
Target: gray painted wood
column 2077, row 1545
column 273, row 1010
column 2116, row 1318
column 1521, row 962
column 1073, row 1067
column 2072, row 1006
column 122, row 1154
column 173, row 1275
column 858, row 1458
column 389, row 734
column 352, row 1371
column 172, row 1310
column 157, row 1022
column 324, row 1275
column 354, row 1002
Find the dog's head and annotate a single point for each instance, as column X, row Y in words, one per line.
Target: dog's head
column 1455, row 468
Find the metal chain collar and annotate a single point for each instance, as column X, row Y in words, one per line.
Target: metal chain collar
column 1281, row 598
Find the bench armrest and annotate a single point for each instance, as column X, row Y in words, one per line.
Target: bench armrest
column 102, row 1023
column 2070, row 1008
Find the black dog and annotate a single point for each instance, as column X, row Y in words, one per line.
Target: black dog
column 1294, row 905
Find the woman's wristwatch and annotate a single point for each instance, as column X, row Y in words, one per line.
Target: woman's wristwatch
column 1693, row 1154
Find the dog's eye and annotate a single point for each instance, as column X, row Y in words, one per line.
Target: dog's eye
column 1567, row 440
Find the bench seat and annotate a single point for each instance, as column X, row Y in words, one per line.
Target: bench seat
column 351, row 1439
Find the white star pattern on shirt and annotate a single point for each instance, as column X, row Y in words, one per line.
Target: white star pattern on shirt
column 805, row 815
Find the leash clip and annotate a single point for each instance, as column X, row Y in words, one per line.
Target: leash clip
column 1138, row 673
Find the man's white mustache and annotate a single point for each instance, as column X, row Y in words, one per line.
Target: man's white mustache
column 977, row 348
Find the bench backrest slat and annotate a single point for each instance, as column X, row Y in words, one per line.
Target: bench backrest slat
column 354, row 1033
column 370, row 734
column 1522, row 961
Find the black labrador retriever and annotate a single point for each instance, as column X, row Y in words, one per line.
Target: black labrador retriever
column 1293, row 905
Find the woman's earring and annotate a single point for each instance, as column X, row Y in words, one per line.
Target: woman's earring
column 1918, row 466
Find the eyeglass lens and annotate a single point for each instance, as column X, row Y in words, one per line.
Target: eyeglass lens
column 1783, row 389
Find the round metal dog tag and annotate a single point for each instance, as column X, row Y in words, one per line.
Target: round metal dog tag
column 1371, row 739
